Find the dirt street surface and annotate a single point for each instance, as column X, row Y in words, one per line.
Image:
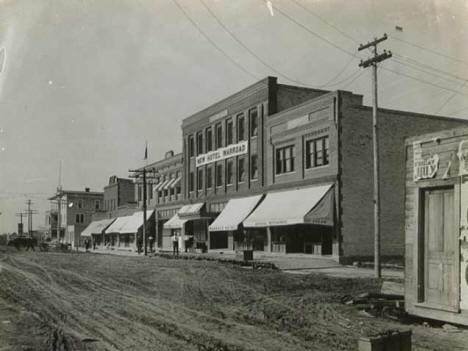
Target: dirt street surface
column 65, row 301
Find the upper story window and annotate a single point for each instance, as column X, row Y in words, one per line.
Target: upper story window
column 229, row 172
column 97, row 205
column 241, row 170
column 219, row 174
column 79, row 218
column 191, row 181
column 229, row 132
column 254, row 167
column 240, row 127
column 219, row 135
column 191, row 146
column 285, row 159
column 209, row 139
column 199, row 143
column 317, row 152
column 200, row 179
column 80, row 203
column 253, row 116
column 209, row 177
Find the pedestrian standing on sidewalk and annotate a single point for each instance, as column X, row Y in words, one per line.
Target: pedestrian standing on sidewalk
column 94, row 244
column 86, row 244
column 175, row 245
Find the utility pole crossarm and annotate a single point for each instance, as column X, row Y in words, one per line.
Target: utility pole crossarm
column 376, row 59
column 373, row 43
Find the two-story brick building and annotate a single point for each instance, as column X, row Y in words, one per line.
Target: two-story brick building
column 164, row 195
column 289, row 169
column 76, row 211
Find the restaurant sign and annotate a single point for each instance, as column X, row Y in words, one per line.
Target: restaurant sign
column 222, row 153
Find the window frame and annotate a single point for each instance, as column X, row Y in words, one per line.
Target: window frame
column 253, row 116
column 200, row 179
column 199, row 142
column 281, row 162
column 208, row 139
column 219, row 175
column 229, row 131
column 218, row 135
column 241, row 160
column 241, row 122
column 191, row 145
column 252, row 158
column 230, row 172
column 311, row 154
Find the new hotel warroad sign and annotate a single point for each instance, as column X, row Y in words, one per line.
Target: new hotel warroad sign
column 222, row 153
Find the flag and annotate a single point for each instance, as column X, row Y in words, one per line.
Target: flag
column 146, row 151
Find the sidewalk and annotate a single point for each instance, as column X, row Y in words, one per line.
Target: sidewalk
column 297, row 264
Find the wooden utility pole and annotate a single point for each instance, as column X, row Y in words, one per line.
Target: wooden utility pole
column 373, row 62
column 30, row 213
column 20, row 227
column 143, row 173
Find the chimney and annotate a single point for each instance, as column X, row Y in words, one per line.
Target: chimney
column 87, row 190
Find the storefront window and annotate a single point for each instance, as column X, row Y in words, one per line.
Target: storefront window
column 219, row 174
column 209, row 139
column 199, row 143
column 229, row 132
column 241, row 170
column 190, row 146
column 230, row 172
column 219, row 135
column 240, row 127
column 253, row 167
column 253, row 115
column 285, row 159
column 200, row 179
column 317, row 152
column 209, row 177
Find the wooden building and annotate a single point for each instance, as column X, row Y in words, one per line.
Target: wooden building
column 436, row 230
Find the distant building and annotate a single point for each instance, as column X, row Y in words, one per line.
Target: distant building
column 165, row 194
column 120, row 192
column 76, row 211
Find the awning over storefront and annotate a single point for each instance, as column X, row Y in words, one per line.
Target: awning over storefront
column 118, row 225
column 313, row 205
column 192, row 211
column 175, row 222
column 176, row 182
column 169, row 184
column 234, row 213
column 135, row 222
column 96, row 227
column 160, row 185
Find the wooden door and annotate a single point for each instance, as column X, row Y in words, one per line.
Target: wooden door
column 440, row 236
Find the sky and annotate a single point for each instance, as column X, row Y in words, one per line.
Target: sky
column 86, row 82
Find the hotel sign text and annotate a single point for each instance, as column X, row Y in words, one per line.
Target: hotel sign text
column 222, row 153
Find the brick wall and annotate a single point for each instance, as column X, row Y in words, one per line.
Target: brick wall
column 357, row 176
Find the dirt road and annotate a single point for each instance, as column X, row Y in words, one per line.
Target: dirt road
column 60, row 301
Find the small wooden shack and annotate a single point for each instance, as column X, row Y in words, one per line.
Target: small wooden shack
column 436, row 228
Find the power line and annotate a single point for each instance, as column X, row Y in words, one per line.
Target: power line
column 429, row 50
column 338, row 74
column 423, row 81
column 195, row 24
column 417, row 65
column 448, row 100
column 361, row 73
column 325, row 21
column 314, row 33
column 251, row 52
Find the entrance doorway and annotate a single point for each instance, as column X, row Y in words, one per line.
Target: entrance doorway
column 441, row 280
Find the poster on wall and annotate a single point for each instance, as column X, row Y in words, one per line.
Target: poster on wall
column 423, row 167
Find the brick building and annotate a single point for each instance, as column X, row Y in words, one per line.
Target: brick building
column 117, row 194
column 261, row 144
column 76, row 211
column 165, row 194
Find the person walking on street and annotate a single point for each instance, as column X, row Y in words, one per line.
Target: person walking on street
column 86, row 243
column 175, row 245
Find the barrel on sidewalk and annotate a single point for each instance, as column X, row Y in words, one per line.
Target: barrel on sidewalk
column 248, row 255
